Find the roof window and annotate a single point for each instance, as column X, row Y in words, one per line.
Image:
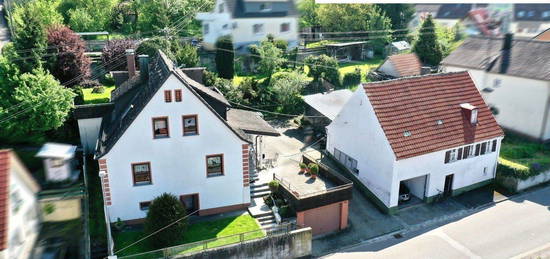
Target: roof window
column 407, row 133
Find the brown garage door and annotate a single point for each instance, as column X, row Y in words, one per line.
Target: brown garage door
column 323, row 219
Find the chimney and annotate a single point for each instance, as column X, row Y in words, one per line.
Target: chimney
column 425, row 70
column 143, row 67
column 131, row 61
column 506, row 53
column 471, row 112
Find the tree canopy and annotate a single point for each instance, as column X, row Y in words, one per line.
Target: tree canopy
column 225, row 57
column 287, row 88
column 69, row 61
column 164, row 210
column 324, row 67
column 113, row 53
column 400, row 16
column 271, row 57
column 427, row 46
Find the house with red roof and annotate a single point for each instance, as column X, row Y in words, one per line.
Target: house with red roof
column 426, row 136
column 19, row 219
column 400, row 65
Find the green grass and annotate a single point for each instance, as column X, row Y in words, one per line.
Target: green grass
column 225, row 227
column 90, row 98
column 97, row 226
column 320, row 43
column 517, row 152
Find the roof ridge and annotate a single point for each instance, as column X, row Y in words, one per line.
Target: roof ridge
column 413, row 77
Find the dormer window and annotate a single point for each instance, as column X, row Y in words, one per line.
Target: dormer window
column 471, row 112
column 265, row 7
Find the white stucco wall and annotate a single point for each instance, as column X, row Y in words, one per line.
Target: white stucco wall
column 178, row 163
column 388, row 69
column 522, row 103
column 528, row 29
column 466, row 171
column 357, row 132
column 23, row 225
column 89, row 131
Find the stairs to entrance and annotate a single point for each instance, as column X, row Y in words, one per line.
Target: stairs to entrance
column 259, row 188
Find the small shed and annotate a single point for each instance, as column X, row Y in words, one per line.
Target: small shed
column 59, row 161
column 398, row 47
column 322, row 108
column 348, row 51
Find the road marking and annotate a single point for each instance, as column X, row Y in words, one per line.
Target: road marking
column 458, row 246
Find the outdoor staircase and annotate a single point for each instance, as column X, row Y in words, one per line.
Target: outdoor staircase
column 259, row 210
column 259, row 190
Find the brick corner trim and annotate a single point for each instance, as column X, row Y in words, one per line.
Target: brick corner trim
column 105, row 182
column 246, row 170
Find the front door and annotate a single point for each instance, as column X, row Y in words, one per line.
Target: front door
column 448, row 190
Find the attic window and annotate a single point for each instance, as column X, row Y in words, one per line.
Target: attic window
column 407, row 133
column 439, row 122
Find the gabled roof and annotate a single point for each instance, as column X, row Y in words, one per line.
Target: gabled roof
column 416, row 104
column 406, row 64
column 250, row 122
column 237, row 9
column 130, row 104
column 8, row 160
column 528, row 58
column 544, row 36
column 329, row 104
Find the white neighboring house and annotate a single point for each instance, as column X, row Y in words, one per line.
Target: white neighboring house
column 19, row 219
column 530, row 19
column 250, row 21
column 169, row 133
column 432, row 133
column 514, row 78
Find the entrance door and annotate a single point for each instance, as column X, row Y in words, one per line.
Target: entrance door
column 448, row 190
column 191, row 202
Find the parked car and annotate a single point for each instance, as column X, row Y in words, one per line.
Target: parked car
column 404, row 193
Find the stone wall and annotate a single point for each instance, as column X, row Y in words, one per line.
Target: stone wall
column 296, row 244
column 517, row 185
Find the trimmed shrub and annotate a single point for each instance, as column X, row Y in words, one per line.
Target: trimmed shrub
column 98, row 89
column 164, row 210
column 352, row 78
column 273, row 186
column 225, row 57
column 512, row 169
column 89, row 83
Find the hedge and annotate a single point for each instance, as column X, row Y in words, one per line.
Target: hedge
column 513, row 169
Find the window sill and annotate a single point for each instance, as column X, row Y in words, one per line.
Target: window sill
column 142, row 184
column 214, row 175
column 160, row 137
column 190, row 134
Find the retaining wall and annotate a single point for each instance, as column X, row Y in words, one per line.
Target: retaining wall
column 517, row 185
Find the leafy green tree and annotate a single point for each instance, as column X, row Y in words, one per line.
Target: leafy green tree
column 44, row 11
column 186, row 55
column 287, row 87
column 183, row 53
column 225, row 57
column 271, row 57
column 400, row 15
column 324, row 67
column 427, row 46
column 352, row 78
column 89, row 15
column 164, row 210
column 308, row 13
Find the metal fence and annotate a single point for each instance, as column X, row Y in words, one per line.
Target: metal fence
column 169, row 252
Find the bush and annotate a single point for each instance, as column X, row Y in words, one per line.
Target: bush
column 108, row 79
column 324, row 67
column 274, row 186
column 352, row 78
column 225, row 57
column 79, row 95
column 313, row 168
column 512, row 169
column 89, row 83
column 268, row 201
column 165, row 210
column 98, row 89
column 113, row 54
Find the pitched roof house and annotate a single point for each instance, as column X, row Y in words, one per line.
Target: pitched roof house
column 530, row 19
column 19, row 220
column 401, row 65
column 250, row 21
column 514, row 77
column 169, row 133
column 432, row 133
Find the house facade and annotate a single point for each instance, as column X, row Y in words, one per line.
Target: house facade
column 513, row 83
column 249, row 22
column 402, row 132
column 168, row 133
column 19, row 218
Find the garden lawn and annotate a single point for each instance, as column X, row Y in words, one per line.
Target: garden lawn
column 90, row 98
column 225, row 227
column 524, row 152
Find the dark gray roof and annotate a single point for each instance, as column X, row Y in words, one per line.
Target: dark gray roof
column 532, row 12
column 250, row 122
column 88, row 111
column 237, row 9
column 128, row 106
column 528, row 58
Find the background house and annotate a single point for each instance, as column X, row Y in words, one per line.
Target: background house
column 514, row 78
column 250, row 21
column 322, row 108
column 433, row 134
column 401, row 65
column 19, row 219
column 530, row 19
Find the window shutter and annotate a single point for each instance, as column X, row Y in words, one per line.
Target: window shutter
column 494, row 148
column 478, row 149
column 447, row 156
column 459, row 155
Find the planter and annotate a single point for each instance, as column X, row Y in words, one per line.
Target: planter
column 516, row 185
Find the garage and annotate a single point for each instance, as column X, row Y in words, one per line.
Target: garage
column 324, row 219
column 414, row 188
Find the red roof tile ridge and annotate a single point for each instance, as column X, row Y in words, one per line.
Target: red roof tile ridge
column 413, row 77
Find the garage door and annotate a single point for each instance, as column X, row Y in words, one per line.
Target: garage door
column 323, row 219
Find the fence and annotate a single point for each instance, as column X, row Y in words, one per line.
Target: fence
column 203, row 245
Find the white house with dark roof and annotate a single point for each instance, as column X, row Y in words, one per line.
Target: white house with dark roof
column 433, row 134
column 169, row 133
column 514, row 78
column 250, row 21
column 19, row 218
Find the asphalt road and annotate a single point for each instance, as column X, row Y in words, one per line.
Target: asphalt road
column 519, row 228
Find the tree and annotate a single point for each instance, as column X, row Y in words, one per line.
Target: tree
column 400, row 16
column 186, row 55
column 427, row 46
column 44, row 11
column 69, row 61
column 46, row 103
column 271, row 57
column 225, row 57
column 86, row 15
column 164, row 210
column 287, row 87
column 324, row 67
column 183, row 53
column 308, row 13
column 356, row 17
column 113, row 53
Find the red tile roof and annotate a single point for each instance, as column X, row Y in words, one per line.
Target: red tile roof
column 406, row 64
column 4, row 197
column 415, row 104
